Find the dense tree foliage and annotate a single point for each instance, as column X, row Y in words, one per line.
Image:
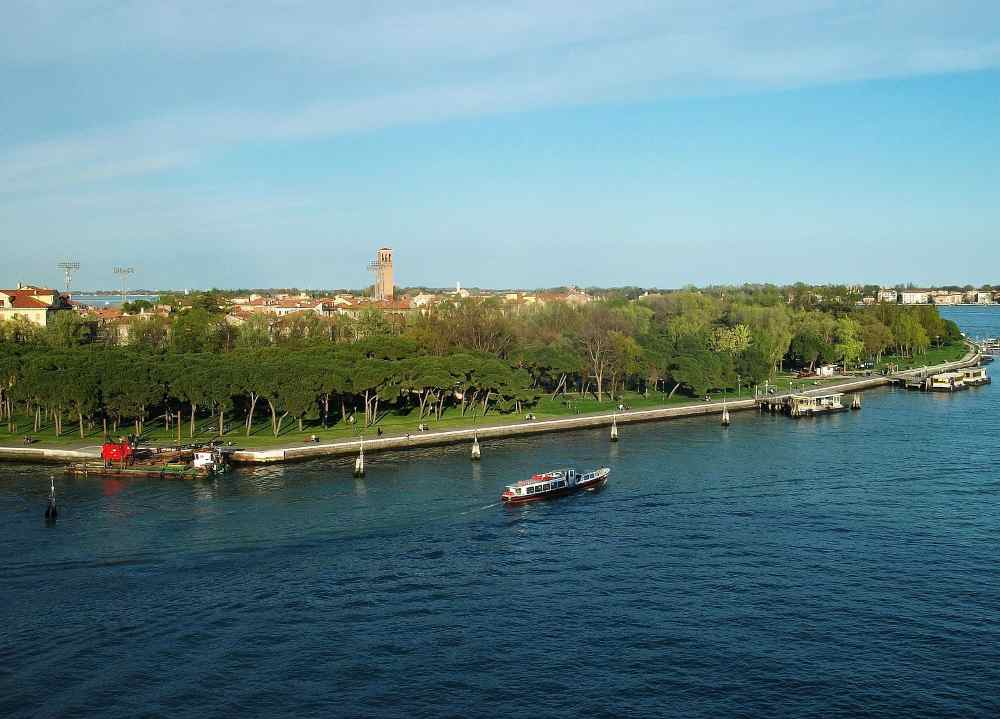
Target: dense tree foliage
column 478, row 356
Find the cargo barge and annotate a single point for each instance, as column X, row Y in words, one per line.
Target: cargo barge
column 124, row 459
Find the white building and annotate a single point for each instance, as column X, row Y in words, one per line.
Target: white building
column 888, row 295
column 914, row 297
column 948, row 298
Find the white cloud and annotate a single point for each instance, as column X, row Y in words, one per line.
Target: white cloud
column 401, row 64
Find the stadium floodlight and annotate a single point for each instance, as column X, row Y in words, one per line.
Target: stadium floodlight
column 68, row 269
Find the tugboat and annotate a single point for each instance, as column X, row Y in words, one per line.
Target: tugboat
column 554, row 484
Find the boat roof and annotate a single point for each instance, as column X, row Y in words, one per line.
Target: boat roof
column 539, row 478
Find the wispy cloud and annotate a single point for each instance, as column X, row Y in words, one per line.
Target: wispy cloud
column 403, row 63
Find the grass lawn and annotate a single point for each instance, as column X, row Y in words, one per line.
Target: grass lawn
column 933, row 356
column 392, row 424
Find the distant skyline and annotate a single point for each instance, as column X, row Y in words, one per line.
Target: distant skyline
column 514, row 144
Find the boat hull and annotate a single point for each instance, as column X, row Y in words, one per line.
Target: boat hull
column 93, row 469
column 819, row 412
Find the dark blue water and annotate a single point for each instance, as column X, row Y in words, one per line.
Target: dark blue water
column 841, row 566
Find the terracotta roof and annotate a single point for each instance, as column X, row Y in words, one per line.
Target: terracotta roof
column 21, row 300
column 105, row 313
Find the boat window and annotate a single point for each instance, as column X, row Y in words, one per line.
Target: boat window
column 517, row 490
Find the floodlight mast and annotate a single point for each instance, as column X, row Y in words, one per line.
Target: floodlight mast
column 68, row 269
column 124, row 272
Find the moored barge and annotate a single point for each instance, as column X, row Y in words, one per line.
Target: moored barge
column 803, row 405
column 945, row 382
column 975, row 376
column 554, row 484
column 123, row 459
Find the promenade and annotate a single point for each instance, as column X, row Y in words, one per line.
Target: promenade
column 351, row 447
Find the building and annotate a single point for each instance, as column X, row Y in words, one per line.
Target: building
column 383, row 289
column 947, row 298
column 888, row 295
column 35, row 304
column 914, row 297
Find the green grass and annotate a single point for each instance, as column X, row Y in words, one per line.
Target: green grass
column 392, row 424
column 933, row 356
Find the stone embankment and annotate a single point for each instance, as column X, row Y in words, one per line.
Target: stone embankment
column 431, row 439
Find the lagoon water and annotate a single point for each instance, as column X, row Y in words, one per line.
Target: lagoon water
column 841, row 566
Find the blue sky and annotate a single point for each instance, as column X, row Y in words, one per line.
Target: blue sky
column 501, row 144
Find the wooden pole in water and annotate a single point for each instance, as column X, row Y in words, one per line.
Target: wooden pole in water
column 614, row 428
column 725, row 415
column 359, row 463
column 475, row 447
column 50, row 508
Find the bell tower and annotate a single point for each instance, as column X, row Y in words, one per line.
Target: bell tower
column 382, row 267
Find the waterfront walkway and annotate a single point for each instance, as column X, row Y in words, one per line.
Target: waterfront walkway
column 436, row 438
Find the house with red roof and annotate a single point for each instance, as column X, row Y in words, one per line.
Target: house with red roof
column 35, row 304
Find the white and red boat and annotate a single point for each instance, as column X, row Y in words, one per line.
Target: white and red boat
column 554, row 484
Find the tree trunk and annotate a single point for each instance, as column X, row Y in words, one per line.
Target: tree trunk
column 253, row 406
column 423, row 401
column 222, row 415
column 561, row 385
column 80, row 415
column 193, row 408
column 676, row 385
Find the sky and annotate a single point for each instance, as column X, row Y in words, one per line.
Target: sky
column 500, row 144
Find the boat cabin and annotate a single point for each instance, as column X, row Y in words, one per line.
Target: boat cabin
column 946, row 382
column 209, row 460
column 975, row 376
column 542, row 483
